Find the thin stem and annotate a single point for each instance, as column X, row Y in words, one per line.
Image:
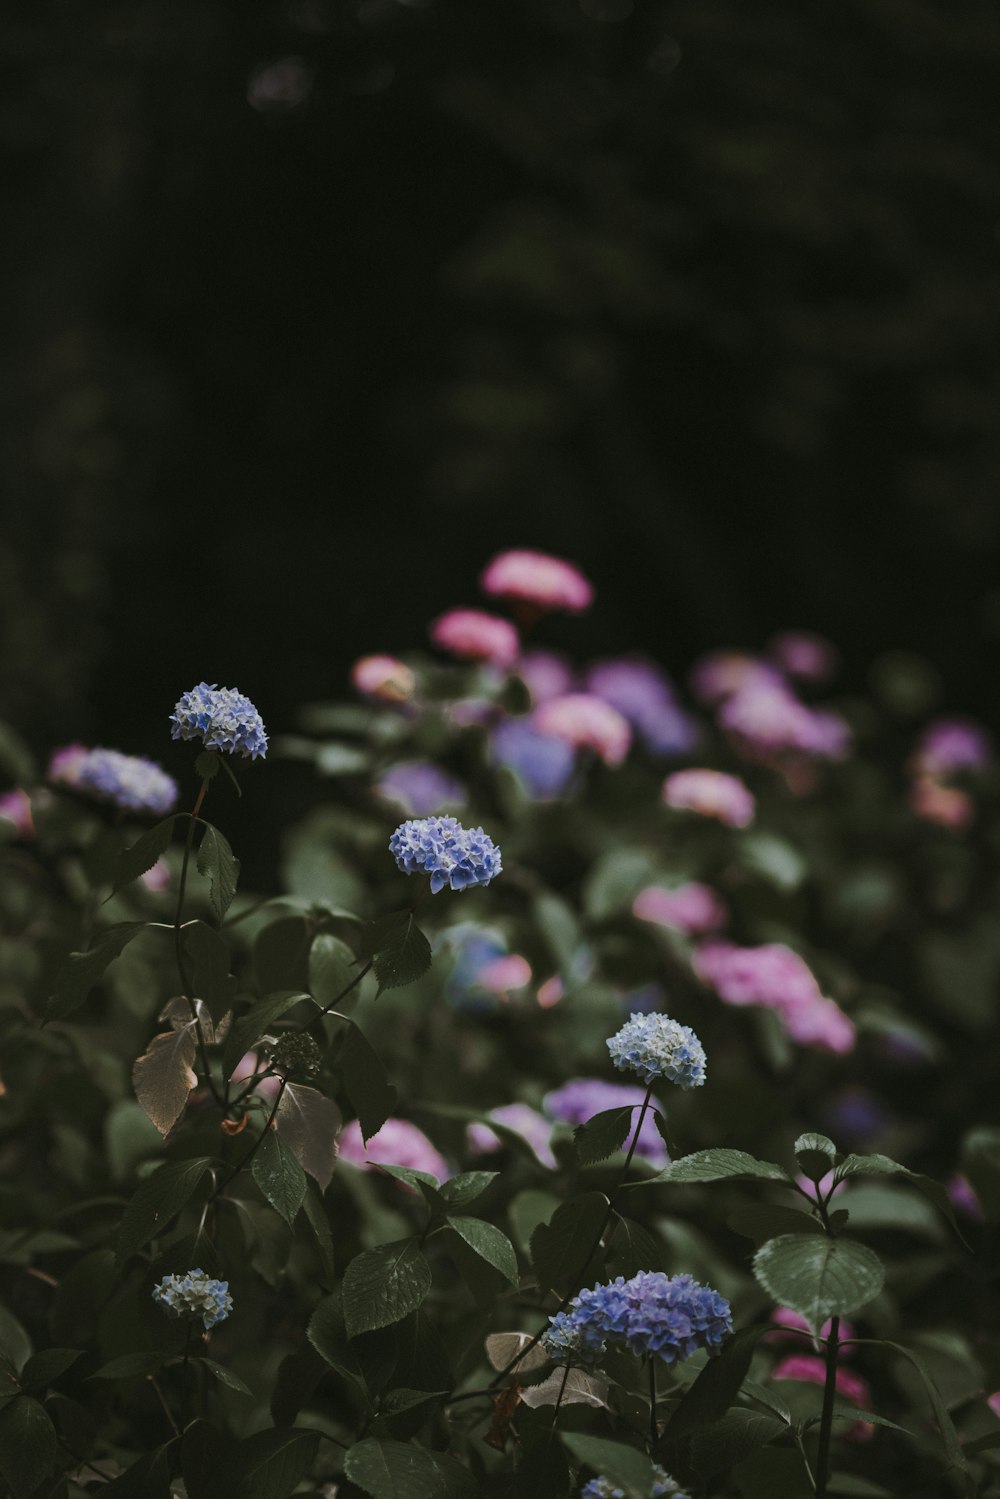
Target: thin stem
column 826, row 1420
column 654, row 1430
column 337, row 998
column 555, row 1413
column 185, row 1391
column 179, row 947
column 242, row 1165
column 166, row 1409
column 797, row 1435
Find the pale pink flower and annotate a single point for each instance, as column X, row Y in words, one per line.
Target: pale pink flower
column 157, row 879
column 383, row 678
column 397, row 1143
column 690, row 908
column 476, row 636
column 535, row 1129
column 769, row 720
column 848, row 1383
column 65, row 763
column 945, row 806
column 774, row 976
column 551, row 992
column 786, row 1319
column 501, row 974
column 15, row 808
column 962, row 1195
column 801, row 654
column 993, row 1401
column 720, row 673
column 585, row 721
column 710, row 793
column 545, row 674
column 547, row 582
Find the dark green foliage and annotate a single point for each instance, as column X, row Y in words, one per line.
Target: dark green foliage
column 220, row 867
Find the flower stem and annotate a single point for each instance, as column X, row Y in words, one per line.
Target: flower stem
column 654, row 1430
column 555, row 1413
column 826, row 1419
column 179, row 947
column 242, row 1165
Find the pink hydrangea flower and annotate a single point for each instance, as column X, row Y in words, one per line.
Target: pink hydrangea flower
column 585, row 721
column 801, row 654
column 690, row 908
column 65, row 763
column 157, row 879
column 993, row 1401
column 848, row 1383
column 945, row 806
column 517, row 1116
column 551, row 992
column 775, row 977
column 710, row 793
column 536, row 578
column 476, row 636
column 15, row 808
column 398, row 1143
column 764, row 719
column 502, row 974
column 383, row 678
column 720, row 673
column 545, row 674
column 245, row 1069
column 786, row 1320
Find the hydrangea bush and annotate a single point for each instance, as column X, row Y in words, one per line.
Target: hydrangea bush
column 555, row 1170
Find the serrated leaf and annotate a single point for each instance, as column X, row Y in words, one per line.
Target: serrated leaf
column 309, row 1123
column 157, row 1202
column 883, row 1165
column 566, row 1388
column 272, row 1464
column 562, row 1249
column 631, row 1248
column 397, row 1402
column 716, row 1387
column 627, row 1468
column 327, row 1332
column 255, row 1023
column 717, row 1447
column 279, row 1175
column 466, row 1187
column 816, row 1155
column 404, row 961
column 82, row 970
column 226, row 1376
column 320, row 1225
column 401, row 1470
column 602, row 1135
column 332, row 968
column 217, row 862
column 164, row 1076
column 717, row 1165
column 946, row 1427
column 502, row 1348
column 137, row 860
column 211, row 980
column 418, row 1181
column 817, row 1276
column 27, row 1445
column 381, row 1286
column 763, row 1221
column 364, row 1079
column 44, row 1368
column 489, row 1243
column 132, row 1365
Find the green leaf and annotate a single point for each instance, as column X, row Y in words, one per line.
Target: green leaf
column 308, row 1123
column 332, row 968
column 816, row 1155
column 82, row 970
column 945, row 1425
column 563, row 1248
column 602, row 1135
column 147, row 1478
column 132, row 1365
column 299, row 1373
column 631, row 1248
column 716, row 1387
column 135, row 861
column 716, row 1165
column 627, row 1469
column 211, row 980
column 220, row 867
column 279, row 1175
column 981, row 1164
column 27, row 1445
column 774, row 1471
column 319, row 1223
column 44, row 1368
column 817, row 1276
column 405, row 960
column 763, row 1221
column 420, row 1181
column 16, row 758
column 364, row 1079
column 466, row 1187
column 164, row 1076
column 717, row 1447
column 489, row 1243
column 327, row 1333
column 401, row 1470
column 558, row 927
column 382, row 1285
column 272, row 1464
column 281, row 955
column 256, row 1022
column 882, row 1165
column 226, row 1376
column 160, row 1198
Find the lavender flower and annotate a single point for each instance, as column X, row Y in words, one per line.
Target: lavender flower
column 128, row 781
column 397, row 1143
column 544, row 764
column 664, row 1487
column 222, row 718
column 645, row 696
column 656, row 1046
column 952, row 744
column 670, row 1317
column 419, row 787
column 194, row 1295
column 520, row 1117
column 452, row 855
column 583, row 1097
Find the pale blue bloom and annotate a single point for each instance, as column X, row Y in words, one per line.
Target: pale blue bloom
column 130, row 782
column 194, row 1295
column 419, row 787
column 452, row 855
column 655, row 1046
column 544, row 764
column 664, row 1487
column 222, row 718
column 669, row 1316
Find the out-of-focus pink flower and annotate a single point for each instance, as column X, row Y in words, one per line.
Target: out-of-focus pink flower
column 476, row 636
column 501, row 974
column 786, row 1319
column 801, row 654
column 716, row 675
column 993, row 1401
column 545, row 674
column 245, row 1069
column 585, row 721
column 962, row 1195
column 527, row 1121
column 848, row 1383
column 690, row 908
column 551, row 992
column 946, row 806
column 710, row 793
column 157, row 879
column 15, row 808
column 949, row 745
column 547, row 582
column 398, row 1143
column 65, row 763
column 823, row 1186
column 774, row 976
column 383, row 678
column 768, row 720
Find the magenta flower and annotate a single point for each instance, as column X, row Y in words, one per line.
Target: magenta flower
column 946, row 806
column 536, row 578
column 534, row 1128
column 65, row 763
column 475, row 636
column 383, row 678
column 15, row 808
column 851, row 1385
column 775, row 977
column 585, row 721
column 545, row 674
column 953, row 744
column 691, row 908
column 710, row 793
column 397, row 1143
column 786, row 1319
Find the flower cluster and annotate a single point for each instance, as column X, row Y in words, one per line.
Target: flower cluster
column 655, row 1046
column 664, row 1487
column 710, row 793
column 419, row 787
column 127, row 781
column 774, row 976
column 586, row 722
column 583, row 1097
column 222, row 719
column 690, row 908
column 543, row 764
column 536, row 578
column 452, row 855
column 645, row 696
column 669, row 1316
column 474, row 635
column 194, row 1295
column 383, row 678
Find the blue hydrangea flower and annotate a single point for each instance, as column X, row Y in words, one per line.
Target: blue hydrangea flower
column 222, row 718
column 194, row 1295
column 544, row 764
column 656, row 1046
column 419, row 787
column 452, row 855
column 130, row 782
column 670, row 1317
column 664, row 1487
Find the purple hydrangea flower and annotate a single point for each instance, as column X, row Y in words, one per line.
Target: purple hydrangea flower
column 583, row 1097
column 545, row 674
column 769, row 719
column 804, row 655
column 222, row 719
column 669, row 1316
column 644, row 695
column 128, row 781
column 655, row 1046
column 664, row 1487
column 521, row 1117
column 194, row 1295
column 420, row 787
column 397, row 1143
column 542, row 763
column 953, row 744
column 452, row 855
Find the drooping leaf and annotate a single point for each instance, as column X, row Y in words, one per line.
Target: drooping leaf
column 309, row 1124
column 766, row 1220
column 401, row 1470
column 279, row 1175
column 44, row 1368
column 382, row 1285
column 626, row 1467
column 365, row 1082
column 563, row 1248
column 217, row 862
column 157, row 1202
column 489, row 1243
column 226, row 1376
column 327, row 1332
column 332, row 969
column 717, row 1165
column 942, row 1418
column 255, row 1023
column 404, row 961
column 817, row 1276
column 319, row 1223
column 459, row 1190
column 716, row 1386
column 82, row 970
column 717, row 1447
column 272, row 1464
column 567, row 1387
column 211, row 980
column 27, row 1445
column 135, row 861
column 503, row 1348
column 602, row 1135
column 883, row 1165
column 164, row 1076
column 816, row 1155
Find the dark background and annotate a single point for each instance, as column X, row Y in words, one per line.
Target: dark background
column 313, row 306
